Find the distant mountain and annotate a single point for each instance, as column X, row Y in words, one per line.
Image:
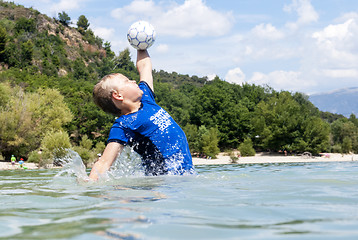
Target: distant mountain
column 342, row 101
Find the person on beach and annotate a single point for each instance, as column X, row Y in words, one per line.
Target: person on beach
column 13, row 160
column 21, row 162
column 141, row 124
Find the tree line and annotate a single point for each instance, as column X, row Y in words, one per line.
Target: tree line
column 46, row 100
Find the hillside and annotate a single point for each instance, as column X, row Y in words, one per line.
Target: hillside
column 51, row 45
column 342, row 101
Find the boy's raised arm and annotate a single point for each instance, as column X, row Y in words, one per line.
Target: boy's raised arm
column 105, row 162
column 144, row 67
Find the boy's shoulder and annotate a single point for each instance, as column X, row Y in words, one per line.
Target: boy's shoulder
column 148, row 93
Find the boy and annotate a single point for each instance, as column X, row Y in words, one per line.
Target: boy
column 13, row 160
column 141, row 124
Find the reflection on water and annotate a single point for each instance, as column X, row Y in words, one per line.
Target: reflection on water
column 270, row 201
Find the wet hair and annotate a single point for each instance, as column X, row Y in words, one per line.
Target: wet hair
column 102, row 95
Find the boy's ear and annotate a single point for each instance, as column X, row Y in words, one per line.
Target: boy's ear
column 116, row 95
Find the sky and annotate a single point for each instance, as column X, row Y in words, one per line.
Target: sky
column 308, row 46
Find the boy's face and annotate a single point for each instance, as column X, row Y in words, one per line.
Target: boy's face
column 127, row 88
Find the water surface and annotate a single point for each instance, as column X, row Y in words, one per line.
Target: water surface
column 258, row 201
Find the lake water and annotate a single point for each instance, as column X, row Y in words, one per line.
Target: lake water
column 258, row 201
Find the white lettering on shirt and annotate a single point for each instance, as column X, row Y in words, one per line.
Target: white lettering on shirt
column 161, row 119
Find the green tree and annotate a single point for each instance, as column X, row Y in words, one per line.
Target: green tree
column 3, row 41
column 192, row 135
column 346, row 145
column 209, row 140
column 218, row 104
column 79, row 69
column 51, row 112
column 28, row 116
column 353, row 119
column 92, row 39
column 17, row 130
column 27, row 49
column 344, row 132
column 109, row 53
column 283, row 121
column 12, row 55
column 291, row 123
column 82, row 24
column 124, row 61
column 64, row 19
column 26, row 25
column 315, row 137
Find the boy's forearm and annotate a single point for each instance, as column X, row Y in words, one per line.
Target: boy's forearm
column 105, row 162
column 98, row 169
column 144, row 67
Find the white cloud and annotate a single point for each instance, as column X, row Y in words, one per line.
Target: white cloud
column 137, row 10
column 259, row 79
column 337, row 45
column 105, row 33
column 162, row 48
column 235, row 76
column 340, row 73
column 301, row 60
column 66, row 5
column 192, row 18
column 305, row 11
column 211, row 76
column 347, row 16
column 267, row 31
column 338, row 32
column 282, row 80
column 29, row 2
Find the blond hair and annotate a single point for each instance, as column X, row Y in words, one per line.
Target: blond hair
column 102, row 95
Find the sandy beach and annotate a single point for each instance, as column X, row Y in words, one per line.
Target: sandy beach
column 9, row 166
column 222, row 158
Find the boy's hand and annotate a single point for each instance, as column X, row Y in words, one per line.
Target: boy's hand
column 144, row 67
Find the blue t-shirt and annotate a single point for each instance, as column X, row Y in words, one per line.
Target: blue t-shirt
column 154, row 134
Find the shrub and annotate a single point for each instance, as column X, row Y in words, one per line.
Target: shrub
column 209, row 139
column 24, row 24
column 34, row 157
column 99, row 148
column 337, row 148
column 246, row 148
column 85, row 154
column 55, row 146
column 233, row 157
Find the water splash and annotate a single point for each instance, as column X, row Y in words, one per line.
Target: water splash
column 128, row 164
column 72, row 165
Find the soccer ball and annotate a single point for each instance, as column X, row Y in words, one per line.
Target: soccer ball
column 141, row 35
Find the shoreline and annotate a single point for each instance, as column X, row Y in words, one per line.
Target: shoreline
column 222, row 158
column 260, row 158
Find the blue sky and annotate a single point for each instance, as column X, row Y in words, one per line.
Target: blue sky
column 309, row 46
